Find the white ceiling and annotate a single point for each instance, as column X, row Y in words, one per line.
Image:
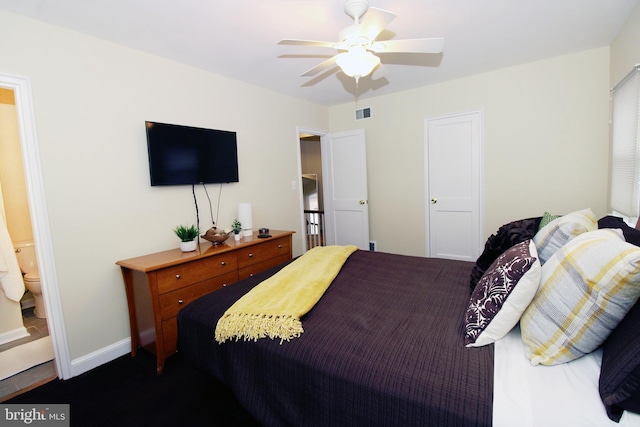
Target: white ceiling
column 238, row 38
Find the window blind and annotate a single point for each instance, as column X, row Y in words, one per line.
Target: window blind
column 625, row 166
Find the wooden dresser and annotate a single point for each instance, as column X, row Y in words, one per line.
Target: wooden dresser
column 158, row 285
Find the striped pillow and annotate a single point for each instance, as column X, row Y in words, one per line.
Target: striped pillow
column 586, row 288
column 559, row 231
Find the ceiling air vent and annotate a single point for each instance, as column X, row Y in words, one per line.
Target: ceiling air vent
column 364, row 113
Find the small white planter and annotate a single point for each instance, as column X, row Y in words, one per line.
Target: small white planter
column 237, row 237
column 188, row 246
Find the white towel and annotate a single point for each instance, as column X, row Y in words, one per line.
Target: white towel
column 10, row 273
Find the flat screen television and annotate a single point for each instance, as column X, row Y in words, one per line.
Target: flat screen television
column 185, row 155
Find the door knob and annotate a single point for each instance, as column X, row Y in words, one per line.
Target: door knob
column 434, row 200
column 363, row 202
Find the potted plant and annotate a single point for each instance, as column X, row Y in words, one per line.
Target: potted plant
column 187, row 236
column 236, row 226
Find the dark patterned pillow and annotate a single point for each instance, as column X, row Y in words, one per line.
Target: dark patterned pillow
column 502, row 295
column 631, row 235
column 620, row 370
column 506, row 236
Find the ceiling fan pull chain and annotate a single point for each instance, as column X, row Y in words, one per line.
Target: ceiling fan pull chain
column 357, row 92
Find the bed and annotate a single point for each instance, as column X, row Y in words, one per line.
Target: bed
column 388, row 344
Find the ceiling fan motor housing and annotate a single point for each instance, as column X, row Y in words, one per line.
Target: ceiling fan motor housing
column 356, row 8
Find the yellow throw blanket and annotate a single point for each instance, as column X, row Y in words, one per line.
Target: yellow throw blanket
column 274, row 307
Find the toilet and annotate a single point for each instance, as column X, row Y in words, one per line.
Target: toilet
column 26, row 254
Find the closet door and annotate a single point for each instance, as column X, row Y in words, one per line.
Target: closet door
column 453, row 165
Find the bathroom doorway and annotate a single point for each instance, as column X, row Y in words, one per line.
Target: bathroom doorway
column 36, row 349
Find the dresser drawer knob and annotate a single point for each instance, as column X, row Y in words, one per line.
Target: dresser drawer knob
column 178, row 276
column 224, row 285
column 223, row 263
column 250, row 255
column 180, row 301
column 279, row 246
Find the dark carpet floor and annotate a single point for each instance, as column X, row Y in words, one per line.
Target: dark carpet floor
column 127, row 392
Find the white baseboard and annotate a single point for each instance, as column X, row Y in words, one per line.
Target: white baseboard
column 14, row 334
column 100, row 357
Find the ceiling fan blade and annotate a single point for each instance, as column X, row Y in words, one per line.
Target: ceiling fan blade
column 433, row 45
column 320, row 67
column 374, row 21
column 296, row 42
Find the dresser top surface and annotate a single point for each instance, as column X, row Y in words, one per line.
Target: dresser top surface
column 206, row 249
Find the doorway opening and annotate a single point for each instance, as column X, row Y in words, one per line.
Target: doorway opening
column 312, row 190
column 26, row 358
column 40, row 221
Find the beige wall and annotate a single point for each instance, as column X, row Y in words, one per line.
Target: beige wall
column 91, row 99
column 545, row 144
column 625, row 51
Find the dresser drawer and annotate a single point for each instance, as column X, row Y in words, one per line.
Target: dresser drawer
column 186, row 274
column 258, row 253
column 172, row 302
column 258, row 267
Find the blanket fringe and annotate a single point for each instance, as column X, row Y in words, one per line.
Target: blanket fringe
column 252, row 327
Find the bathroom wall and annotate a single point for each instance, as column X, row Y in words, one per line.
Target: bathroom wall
column 14, row 208
column 14, row 187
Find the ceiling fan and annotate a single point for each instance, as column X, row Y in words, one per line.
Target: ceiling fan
column 358, row 42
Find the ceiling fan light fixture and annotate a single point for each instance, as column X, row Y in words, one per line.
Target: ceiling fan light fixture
column 357, row 43
column 357, row 63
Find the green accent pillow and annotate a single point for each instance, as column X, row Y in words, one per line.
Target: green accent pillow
column 546, row 219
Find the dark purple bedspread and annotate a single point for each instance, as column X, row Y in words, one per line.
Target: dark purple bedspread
column 384, row 346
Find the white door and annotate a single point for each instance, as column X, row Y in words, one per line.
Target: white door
column 453, row 151
column 345, row 182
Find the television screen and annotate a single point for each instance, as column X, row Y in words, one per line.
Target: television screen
column 181, row 155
